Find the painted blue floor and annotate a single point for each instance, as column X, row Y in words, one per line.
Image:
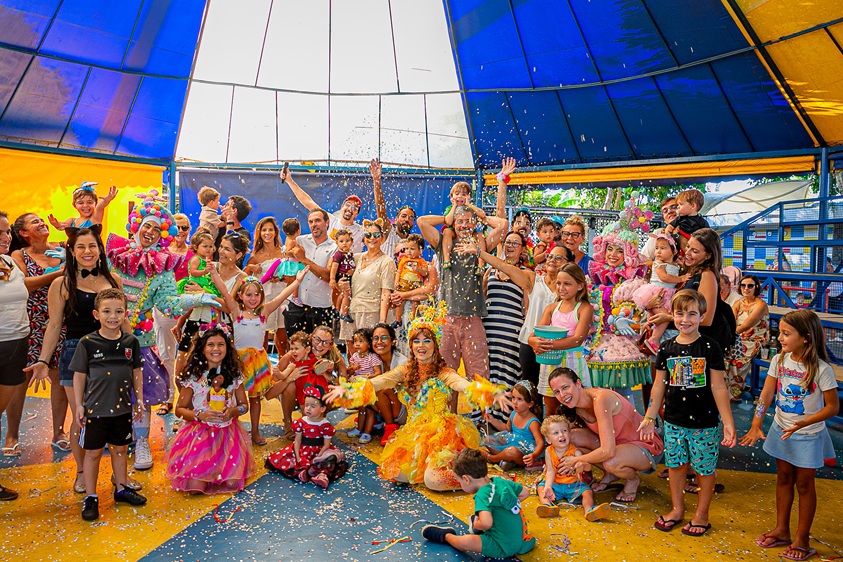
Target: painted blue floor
column 286, row 520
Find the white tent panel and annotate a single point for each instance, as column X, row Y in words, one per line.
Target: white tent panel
column 362, row 58
column 423, row 47
column 231, row 42
column 354, row 128
column 253, row 128
column 755, row 199
column 204, row 130
column 403, row 139
column 449, row 145
column 296, row 53
column 302, row 127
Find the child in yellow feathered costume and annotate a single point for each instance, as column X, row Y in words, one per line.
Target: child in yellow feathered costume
column 422, row 449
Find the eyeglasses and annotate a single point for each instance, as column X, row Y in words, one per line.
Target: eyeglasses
column 316, row 340
column 571, row 234
column 670, row 208
column 424, row 341
column 380, row 338
column 512, row 243
column 374, row 235
column 556, row 257
column 184, row 228
column 747, row 285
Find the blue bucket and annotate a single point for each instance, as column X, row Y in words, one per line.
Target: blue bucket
column 554, row 356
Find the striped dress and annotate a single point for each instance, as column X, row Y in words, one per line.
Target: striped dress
column 505, row 308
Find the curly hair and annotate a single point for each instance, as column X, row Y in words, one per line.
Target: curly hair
column 198, row 363
column 412, row 377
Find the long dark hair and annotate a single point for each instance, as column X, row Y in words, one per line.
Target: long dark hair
column 710, row 241
column 198, row 363
column 17, row 240
column 530, row 393
column 71, row 267
column 259, row 243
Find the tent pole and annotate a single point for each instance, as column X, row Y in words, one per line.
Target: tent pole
column 172, row 187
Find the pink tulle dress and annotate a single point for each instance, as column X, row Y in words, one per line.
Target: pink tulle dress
column 208, row 457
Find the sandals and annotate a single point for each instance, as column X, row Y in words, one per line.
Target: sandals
column 626, row 497
column 666, row 525
column 164, row 409
column 258, row 441
column 62, row 445
column 597, row 512
column 12, row 451
column 689, row 529
column 545, row 511
column 805, row 553
column 447, row 264
column 761, row 541
column 692, row 488
column 79, row 487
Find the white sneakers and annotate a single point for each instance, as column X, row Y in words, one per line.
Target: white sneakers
column 143, row 456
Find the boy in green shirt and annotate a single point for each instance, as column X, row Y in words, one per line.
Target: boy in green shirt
column 498, row 528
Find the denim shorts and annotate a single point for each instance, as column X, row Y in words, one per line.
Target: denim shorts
column 65, row 372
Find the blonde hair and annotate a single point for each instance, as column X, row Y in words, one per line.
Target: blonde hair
column 207, row 194
column 550, row 420
column 577, row 221
column 461, row 186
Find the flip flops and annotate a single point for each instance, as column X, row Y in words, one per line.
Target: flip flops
column 545, row 511
column 805, row 553
column 666, row 525
column 61, row 445
column 760, row 541
column 597, row 512
column 689, row 529
column 12, row 451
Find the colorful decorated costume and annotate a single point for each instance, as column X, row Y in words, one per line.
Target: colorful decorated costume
column 614, row 360
column 212, row 458
column 432, row 435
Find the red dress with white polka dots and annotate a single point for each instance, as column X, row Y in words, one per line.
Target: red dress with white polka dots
column 313, row 438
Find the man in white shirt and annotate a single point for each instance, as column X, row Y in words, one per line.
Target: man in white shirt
column 403, row 224
column 315, row 250
column 344, row 218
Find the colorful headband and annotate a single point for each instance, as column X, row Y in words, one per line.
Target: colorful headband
column 313, row 392
column 152, row 208
column 668, row 238
column 87, row 186
column 205, row 328
column 430, row 317
column 336, row 234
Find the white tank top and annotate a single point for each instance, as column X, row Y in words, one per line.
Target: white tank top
column 540, row 297
column 249, row 333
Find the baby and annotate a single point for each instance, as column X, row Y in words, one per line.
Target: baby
column 411, row 273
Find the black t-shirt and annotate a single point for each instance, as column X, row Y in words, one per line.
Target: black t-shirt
column 723, row 326
column 688, row 401
column 109, row 365
column 689, row 225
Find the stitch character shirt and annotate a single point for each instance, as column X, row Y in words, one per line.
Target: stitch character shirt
column 688, row 401
column 793, row 401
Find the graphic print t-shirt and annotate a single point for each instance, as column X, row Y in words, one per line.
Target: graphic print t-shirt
column 793, row 400
column 688, row 401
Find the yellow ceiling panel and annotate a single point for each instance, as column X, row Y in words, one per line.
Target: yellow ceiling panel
column 772, row 19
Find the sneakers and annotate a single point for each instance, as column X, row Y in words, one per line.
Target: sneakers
column 128, row 496
column 471, row 529
column 354, row 433
column 434, row 533
column 388, row 430
column 143, row 456
column 365, row 438
column 347, row 318
column 91, row 509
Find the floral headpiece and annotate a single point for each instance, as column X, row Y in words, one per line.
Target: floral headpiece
column 430, row 317
column 224, row 328
column 87, row 186
column 624, row 232
column 152, row 209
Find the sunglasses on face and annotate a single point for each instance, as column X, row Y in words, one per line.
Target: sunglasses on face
column 748, row 285
column 184, row 228
column 424, row 341
column 374, row 235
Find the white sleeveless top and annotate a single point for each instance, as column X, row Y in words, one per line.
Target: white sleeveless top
column 248, row 332
column 540, row 297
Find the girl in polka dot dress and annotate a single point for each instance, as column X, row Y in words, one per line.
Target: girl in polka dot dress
column 311, row 457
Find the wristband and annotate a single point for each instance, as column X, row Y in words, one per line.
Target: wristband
column 648, row 420
column 502, row 177
column 230, row 222
column 42, row 361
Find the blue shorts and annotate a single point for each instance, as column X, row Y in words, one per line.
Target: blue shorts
column 700, row 447
column 567, row 492
column 65, row 372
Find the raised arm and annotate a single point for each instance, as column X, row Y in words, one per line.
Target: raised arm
column 427, row 226
column 230, row 303
column 99, row 210
column 499, row 227
column 300, row 194
column 507, row 167
column 524, row 278
column 376, row 171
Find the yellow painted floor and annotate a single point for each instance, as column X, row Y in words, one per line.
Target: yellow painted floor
column 45, row 524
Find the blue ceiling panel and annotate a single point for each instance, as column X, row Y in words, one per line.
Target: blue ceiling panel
column 488, row 48
column 594, row 125
column 556, row 54
column 13, row 65
column 764, row 113
column 495, row 135
column 102, row 111
column 621, row 37
column 43, row 103
column 153, row 124
column 544, row 130
column 23, row 22
column 164, row 40
column 85, row 45
column 651, row 129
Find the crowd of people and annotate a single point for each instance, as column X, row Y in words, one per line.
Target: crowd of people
column 552, row 339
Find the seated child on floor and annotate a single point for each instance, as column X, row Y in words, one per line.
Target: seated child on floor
column 518, row 441
column 561, row 483
column 364, row 363
column 311, row 457
column 498, row 528
column 90, row 209
column 211, row 452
